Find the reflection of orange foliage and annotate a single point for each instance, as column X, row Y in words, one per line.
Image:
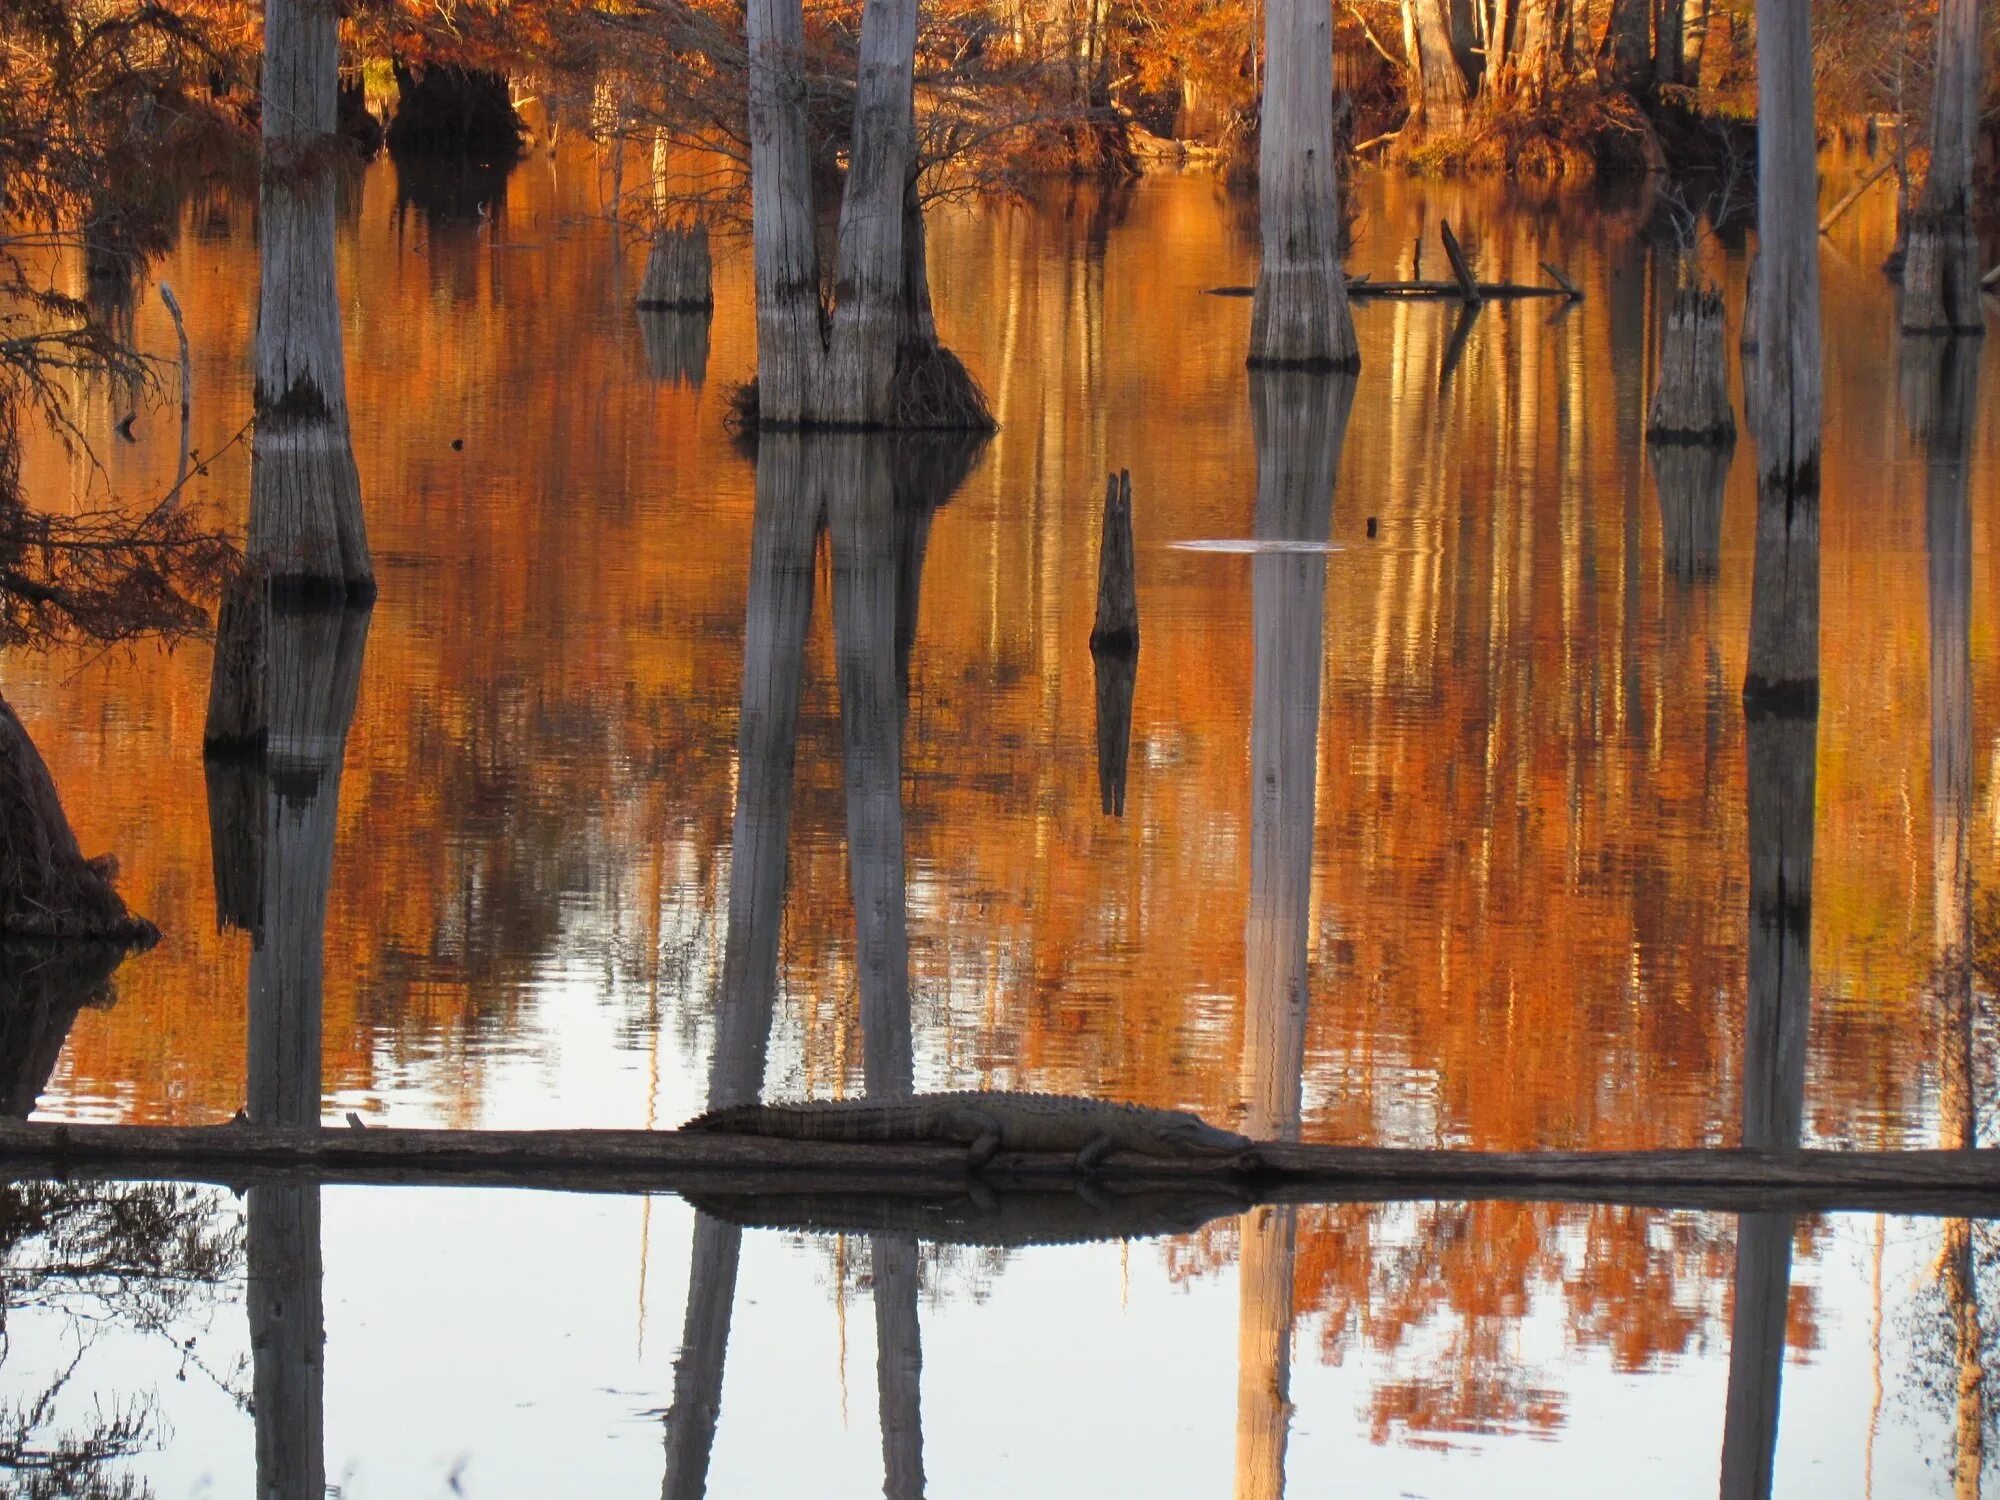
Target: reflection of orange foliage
column 1529, row 895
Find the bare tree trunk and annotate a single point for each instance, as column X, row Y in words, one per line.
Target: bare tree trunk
column 1265, row 1270
column 1628, row 42
column 1695, row 16
column 1762, row 1295
column 1669, row 64
column 1788, row 405
column 1941, row 264
column 306, row 531
column 790, row 332
column 1301, row 316
column 871, row 278
column 1443, row 92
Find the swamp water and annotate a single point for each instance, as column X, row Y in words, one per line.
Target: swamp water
column 1439, row 822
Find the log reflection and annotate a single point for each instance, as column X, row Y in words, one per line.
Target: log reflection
column 276, row 812
column 1300, row 421
column 874, row 496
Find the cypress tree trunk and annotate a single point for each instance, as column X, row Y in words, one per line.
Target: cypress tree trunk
column 306, row 532
column 790, row 333
column 1301, row 316
column 1788, row 311
column 1441, row 86
column 1628, row 42
column 1941, row 264
column 870, row 280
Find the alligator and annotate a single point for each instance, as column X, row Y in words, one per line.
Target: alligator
column 978, row 1215
column 986, row 1122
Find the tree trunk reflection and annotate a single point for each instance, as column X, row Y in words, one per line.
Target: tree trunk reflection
column 1300, row 421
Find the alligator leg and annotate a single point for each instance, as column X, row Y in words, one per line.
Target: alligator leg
column 984, row 1131
column 1094, row 1151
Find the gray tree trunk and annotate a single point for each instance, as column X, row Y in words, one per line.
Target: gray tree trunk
column 1788, row 404
column 1443, row 92
column 791, row 340
column 1941, row 262
column 1300, row 317
column 306, row 531
column 870, row 284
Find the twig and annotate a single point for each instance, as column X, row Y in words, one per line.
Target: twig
column 187, row 386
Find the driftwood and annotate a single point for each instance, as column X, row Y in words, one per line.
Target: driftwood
column 1461, row 269
column 1853, row 195
column 1487, row 290
column 642, row 1160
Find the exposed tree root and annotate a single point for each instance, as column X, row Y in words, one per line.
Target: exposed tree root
column 48, row 890
column 1574, row 132
column 933, row 392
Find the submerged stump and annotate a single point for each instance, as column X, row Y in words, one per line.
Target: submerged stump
column 1691, row 398
column 678, row 271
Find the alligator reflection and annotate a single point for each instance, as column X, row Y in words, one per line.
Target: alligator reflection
column 873, row 495
column 274, row 814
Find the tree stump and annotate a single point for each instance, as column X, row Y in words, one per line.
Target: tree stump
column 1117, row 627
column 677, row 271
column 1691, row 396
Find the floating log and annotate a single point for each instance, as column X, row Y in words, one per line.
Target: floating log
column 1251, row 291
column 1959, row 1181
column 1461, row 269
column 1488, row 290
column 1117, row 627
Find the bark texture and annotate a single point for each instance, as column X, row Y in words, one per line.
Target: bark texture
column 1788, row 404
column 790, row 333
column 1300, row 316
column 869, row 280
column 306, row 531
column 1691, row 391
